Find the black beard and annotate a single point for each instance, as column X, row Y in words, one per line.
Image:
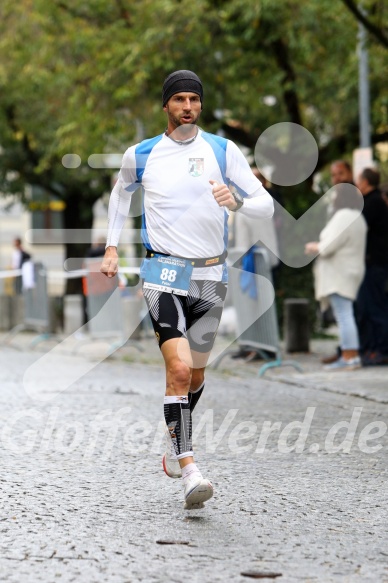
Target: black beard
column 183, row 127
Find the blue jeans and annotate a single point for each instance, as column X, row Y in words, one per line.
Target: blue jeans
column 344, row 315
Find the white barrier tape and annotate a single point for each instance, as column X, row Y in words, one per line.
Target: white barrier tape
column 68, row 274
column 10, row 273
column 84, row 272
column 130, row 270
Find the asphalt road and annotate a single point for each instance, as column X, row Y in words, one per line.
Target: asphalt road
column 84, row 498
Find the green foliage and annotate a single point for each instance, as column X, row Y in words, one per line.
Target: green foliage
column 86, row 78
column 78, row 77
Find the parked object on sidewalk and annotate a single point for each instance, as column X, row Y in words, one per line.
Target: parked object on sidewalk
column 105, row 310
column 257, row 324
column 296, row 325
column 36, row 306
column 73, row 308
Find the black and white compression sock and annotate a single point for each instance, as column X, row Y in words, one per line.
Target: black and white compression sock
column 194, row 396
column 178, row 419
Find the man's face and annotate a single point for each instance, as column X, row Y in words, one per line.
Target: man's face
column 340, row 173
column 362, row 185
column 183, row 109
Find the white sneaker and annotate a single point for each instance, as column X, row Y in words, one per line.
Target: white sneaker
column 197, row 491
column 170, row 461
column 343, row 364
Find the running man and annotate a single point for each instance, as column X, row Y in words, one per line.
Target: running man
column 185, row 173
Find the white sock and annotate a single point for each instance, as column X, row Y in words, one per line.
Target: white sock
column 190, row 471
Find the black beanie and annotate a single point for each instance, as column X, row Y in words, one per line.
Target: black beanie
column 181, row 81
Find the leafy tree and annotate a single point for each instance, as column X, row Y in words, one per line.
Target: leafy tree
column 86, row 78
column 373, row 15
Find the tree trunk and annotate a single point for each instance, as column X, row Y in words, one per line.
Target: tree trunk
column 78, row 223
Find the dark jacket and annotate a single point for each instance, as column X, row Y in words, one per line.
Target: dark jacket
column 376, row 215
column 24, row 256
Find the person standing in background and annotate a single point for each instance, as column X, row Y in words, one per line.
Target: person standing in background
column 384, row 193
column 19, row 257
column 339, row 270
column 372, row 299
column 340, row 173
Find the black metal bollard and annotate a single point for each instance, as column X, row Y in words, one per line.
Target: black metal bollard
column 296, row 325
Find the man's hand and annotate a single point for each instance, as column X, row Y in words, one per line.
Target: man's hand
column 222, row 195
column 311, row 248
column 109, row 265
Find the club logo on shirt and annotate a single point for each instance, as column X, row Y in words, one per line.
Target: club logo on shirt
column 196, row 166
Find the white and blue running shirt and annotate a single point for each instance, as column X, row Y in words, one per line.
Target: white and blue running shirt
column 181, row 216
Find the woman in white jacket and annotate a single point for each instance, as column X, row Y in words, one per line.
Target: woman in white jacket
column 339, row 269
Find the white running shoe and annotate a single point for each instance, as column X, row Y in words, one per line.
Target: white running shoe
column 343, row 364
column 170, row 461
column 197, row 491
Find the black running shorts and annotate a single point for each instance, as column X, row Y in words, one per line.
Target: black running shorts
column 195, row 316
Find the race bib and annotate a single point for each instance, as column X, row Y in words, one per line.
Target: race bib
column 168, row 274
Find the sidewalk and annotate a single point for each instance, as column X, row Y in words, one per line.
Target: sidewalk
column 370, row 383
column 84, row 498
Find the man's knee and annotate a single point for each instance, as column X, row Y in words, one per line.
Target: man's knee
column 178, row 376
